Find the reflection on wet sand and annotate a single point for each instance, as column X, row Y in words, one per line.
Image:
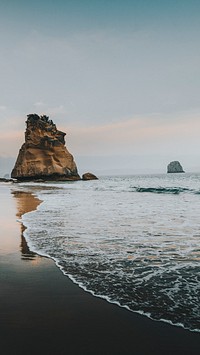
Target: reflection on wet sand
column 25, row 202
column 26, row 253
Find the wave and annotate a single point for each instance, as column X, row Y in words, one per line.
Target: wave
column 106, row 297
column 142, row 258
column 162, row 190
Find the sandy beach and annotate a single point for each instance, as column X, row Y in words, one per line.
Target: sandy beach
column 43, row 312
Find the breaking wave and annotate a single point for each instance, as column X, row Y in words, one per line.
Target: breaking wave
column 141, row 251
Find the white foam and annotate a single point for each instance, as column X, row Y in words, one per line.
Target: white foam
column 117, row 237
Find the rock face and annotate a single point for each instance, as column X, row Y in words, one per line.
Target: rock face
column 44, row 155
column 175, row 167
column 89, row 176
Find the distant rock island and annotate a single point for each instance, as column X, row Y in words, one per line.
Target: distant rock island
column 175, row 167
column 44, row 154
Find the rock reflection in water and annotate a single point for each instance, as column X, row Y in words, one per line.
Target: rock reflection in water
column 27, row 254
column 25, row 202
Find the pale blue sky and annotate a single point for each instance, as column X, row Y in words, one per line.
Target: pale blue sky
column 121, row 77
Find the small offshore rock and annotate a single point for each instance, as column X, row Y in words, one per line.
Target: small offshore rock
column 89, row 176
column 7, row 180
column 175, row 167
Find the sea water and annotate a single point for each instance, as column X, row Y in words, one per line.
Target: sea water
column 134, row 240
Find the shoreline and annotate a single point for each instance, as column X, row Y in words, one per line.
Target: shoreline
column 35, row 203
column 43, row 311
column 116, row 303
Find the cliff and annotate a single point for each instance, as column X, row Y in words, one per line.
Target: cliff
column 44, row 154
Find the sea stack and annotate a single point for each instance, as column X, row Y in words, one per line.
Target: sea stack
column 175, row 167
column 44, row 154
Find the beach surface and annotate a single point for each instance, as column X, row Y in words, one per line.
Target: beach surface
column 44, row 312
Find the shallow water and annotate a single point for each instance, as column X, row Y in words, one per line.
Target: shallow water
column 134, row 240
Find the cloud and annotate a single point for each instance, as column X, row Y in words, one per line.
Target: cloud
column 139, row 135
column 39, row 104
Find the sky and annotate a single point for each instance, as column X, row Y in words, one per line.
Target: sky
column 120, row 77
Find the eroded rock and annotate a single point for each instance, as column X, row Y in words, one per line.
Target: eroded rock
column 44, row 154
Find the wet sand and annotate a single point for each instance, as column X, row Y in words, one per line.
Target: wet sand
column 43, row 312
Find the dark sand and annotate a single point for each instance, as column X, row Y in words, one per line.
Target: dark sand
column 43, row 312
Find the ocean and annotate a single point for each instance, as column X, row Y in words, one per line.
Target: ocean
column 133, row 240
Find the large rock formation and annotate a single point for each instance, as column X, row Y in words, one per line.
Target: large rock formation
column 44, row 155
column 174, row 167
